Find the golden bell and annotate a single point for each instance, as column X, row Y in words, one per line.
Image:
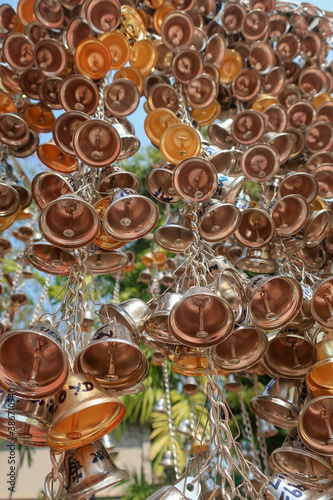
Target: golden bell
column 190, row 362
column 131, row 74
column 63, row 131
column 233, row 384
column 231, row 66
column 95, row 470
column 143, row 56
column 48, row 186
column 178, row 142
column 122, row 97
column 157, row 121
column 32, row 361
column 131, row 313
column 74, row 422
column 218, row 220
column 119, row 48
column 176, row 234
column 32, row 419
column 195, row 179
column 69, row 222
column 192, row 323
column 10, row 205
column 157, row 324
column 294, row 459
column 315, row 425
column 241, row 350
column 279, row 404
column 49, row 259
column 103, row 240
column 92, row 58
column 130, row 216
column 112, row 358
column 131, row 22
column 105, row 262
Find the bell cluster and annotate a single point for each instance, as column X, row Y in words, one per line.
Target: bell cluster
column 238, row 102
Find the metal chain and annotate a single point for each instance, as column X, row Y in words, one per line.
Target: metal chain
column 54, row 481
column 248, row 428
column 155, row 286
column 116, row 290
column 170, row 420
column 100, row 110
column 261, row 439
column 42, row 298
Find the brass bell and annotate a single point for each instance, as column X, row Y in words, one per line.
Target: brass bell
column 295, row 460
column 190, row 362
column 191, row 320
column 233, row 384
column 49, row 259
column 69, row 222
column 32, row 361
column 274, row 301
column 256, row 260
column 195, row 179
column 160, row 406
column 279, row 404
column 32, row 419
column 290, row 354
column 256, row 228
column 48, row 186
column 78, row 92
column 112, row 357
column 131, row 313
column 113, row 177
column 105, row 261
column 290, row 214
column 157, row 325
column 315, row 425
column 130, row 216
column 94, row 471
column 96, row 143
column 73, row 421
column 167, row 460
column 248, row 127
column 241, row 350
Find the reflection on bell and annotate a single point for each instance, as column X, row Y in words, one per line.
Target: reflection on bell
column 94, row 471
column 157, row 325
column 266, row 429
column 32, row 361
column 315, row 425
column 113, row 358
column 257, row 260
column 74, row 423
column 294, row 459
column 69, row 222
column 218, row 220
column 176, row 234
column 190, row 362
column 131, row 313
column 49, row 258
column 193, row 322
column 233, row 384
column 160, row 406
column 130, row 216
column 279, row 404
column 32, row 419
column 167, row 460
column 241, row 350
column 180, row 141
column 105, row 261
column 184, row 428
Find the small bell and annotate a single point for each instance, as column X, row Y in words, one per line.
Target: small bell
column 113, row 177
column 131, row 313
column 190, row 362
column 157, row 325
column 105, row 261
column 190, row 386
column 49, row 259
column 167, row 460
column 160, row 406
column 184, row 428
column 176, row 234
column 233, row 384
column 266, row 429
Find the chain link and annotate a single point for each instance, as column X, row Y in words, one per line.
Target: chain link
column 116, row 290
column 171, row 420
column 54, row 481
column 248, row 429
column 42, row 298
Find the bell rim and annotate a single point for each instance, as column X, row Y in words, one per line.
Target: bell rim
column 28, row 254
column 313, row 386
column 278, row 422
column 154, row 331
column 172, row 247
column 321, row 449
column 247, row 262
column 107, row 269
column 35, row 185
column 129, row 322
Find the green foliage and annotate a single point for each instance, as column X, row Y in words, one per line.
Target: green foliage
column 139, row 488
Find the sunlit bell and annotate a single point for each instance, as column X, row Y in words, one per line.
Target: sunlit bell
column 32, row 361
column 113, row 358
column 157, row 325
column 233, row 384
column 74, row 423
column 266, row 429
column 87, row 470
column 184, row 428
column 167, row 460
column 130, row 216
column 190, row 386
column 191, row 320
column 160, row 406
column 190, row 362
column 176, row 234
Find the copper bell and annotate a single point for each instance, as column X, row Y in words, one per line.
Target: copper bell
column 294, row 459
column 103, row 16
column 177, row 30
column 131, row 313
column 233, row 384
column 274, row 81
column 256, row 260
column 275, row 117
column 218, row 220
column 324, row 177
column 32, row 419
column 69, row 222
column 176, row 234
column 290, row 214
column 64, row 128
column 248, row 127
column 260, row 162
column 279, row 404
column 232, row 17
column 103, row 262
column 10, row 205
column 275, row 301
column 202, row 91
column 122, row 97
column 317, row 227
column 319, row 137
column 18, row 51
column 113, row 358
column 50, row 56
column 318, row 438
column 48, row 186
column 191, row 323
column 13, row 130
column 49, row 259
column 195, row 179
column 262, row 57
column 30, row 80
column 215, row 49
column 288, row 47
column 77, row 30
column 290, row 354
column 157, row 324
column 51, row 17
column 256, row 228
column 321, row 307
column 255, row 26
column 78, row 92
column 130, row 216
column 95, row 470
column 73, row 421
column 246, row 85
column 33, row 361
column 96, row 143
column 113, row 177
column 130, row 144
column 160, row 186
column 300, row 183
column 241, row 350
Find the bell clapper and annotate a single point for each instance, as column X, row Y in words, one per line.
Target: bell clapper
column 198, row 193
column 215, row 227
column 69, row 232
column 326, row 417
column 269, row 314
column 290, row 417
column 256, row 228
column 38, row 354
column 98, row 139
column 309, row 467
column 74, row 433
column 326, row 295
column 98, row 262
column 297, row 364
column 79, row 105
column 126, row 221
column 201, row 333
column 182, row 151
column 25, row 434
column 283, row 225
column 234, row 360
column 111, row 369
